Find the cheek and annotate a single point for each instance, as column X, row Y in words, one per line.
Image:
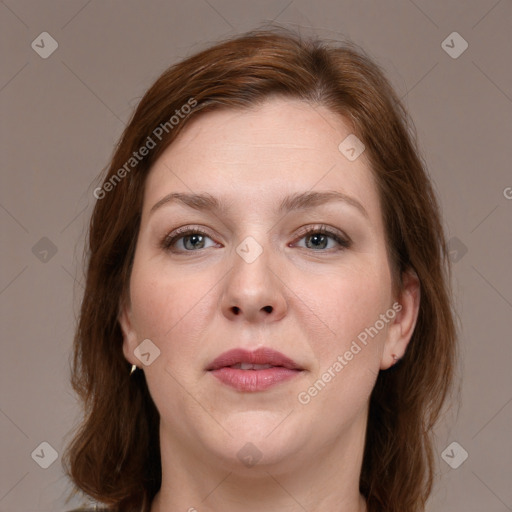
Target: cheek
column 170, row 309
column 174, row 311
column 348, row 359
column 348, row 302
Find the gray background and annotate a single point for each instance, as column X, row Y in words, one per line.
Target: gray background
column 61, row 116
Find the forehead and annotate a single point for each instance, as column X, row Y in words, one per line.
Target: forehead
column 280, row 147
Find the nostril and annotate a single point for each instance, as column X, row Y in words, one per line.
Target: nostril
column 236, row 310
column 268, row 309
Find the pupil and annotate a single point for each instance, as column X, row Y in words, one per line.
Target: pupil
column 194, row 238
column 317, row 238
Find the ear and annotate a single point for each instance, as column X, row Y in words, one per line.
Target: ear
column 129, row 334
column 401, row 328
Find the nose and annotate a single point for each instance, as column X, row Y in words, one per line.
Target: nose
column 254, row 292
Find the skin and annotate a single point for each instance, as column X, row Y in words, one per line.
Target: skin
column 198, row 304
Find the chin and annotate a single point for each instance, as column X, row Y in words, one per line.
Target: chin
column 259, row 439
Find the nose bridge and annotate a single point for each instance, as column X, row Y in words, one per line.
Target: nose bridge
column 252, row 291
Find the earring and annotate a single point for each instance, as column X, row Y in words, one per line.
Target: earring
column 134, row 367
column 395, row 359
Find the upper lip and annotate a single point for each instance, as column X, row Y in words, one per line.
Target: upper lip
column 260, row 356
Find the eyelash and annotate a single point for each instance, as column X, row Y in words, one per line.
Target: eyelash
column 170, row 239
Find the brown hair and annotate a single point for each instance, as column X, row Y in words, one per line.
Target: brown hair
column 115, row 456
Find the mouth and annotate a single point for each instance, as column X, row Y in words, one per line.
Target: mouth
column 253, row 371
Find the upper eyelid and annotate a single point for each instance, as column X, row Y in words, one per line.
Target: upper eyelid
column 302, row 231
column 191, row 229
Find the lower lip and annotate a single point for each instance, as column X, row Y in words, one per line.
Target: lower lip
column 254, row 380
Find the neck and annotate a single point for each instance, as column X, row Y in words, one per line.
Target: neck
column 163, row 503
column 327, row 481
column 269, row 495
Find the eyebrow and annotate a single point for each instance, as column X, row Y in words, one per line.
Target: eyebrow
column 299, row 201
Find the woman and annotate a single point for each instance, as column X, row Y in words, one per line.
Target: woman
column 266, row 255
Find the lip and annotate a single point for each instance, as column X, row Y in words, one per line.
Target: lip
column 282, row 369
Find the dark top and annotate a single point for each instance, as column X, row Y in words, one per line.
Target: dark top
column 82, row 509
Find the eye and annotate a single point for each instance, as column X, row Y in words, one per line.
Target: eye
column 193, row 239
column 318, row 238
column 186, row 239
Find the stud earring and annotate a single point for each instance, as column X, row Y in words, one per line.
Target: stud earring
column 134, row 367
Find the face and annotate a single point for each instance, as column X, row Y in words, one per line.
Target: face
column 288, row 269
